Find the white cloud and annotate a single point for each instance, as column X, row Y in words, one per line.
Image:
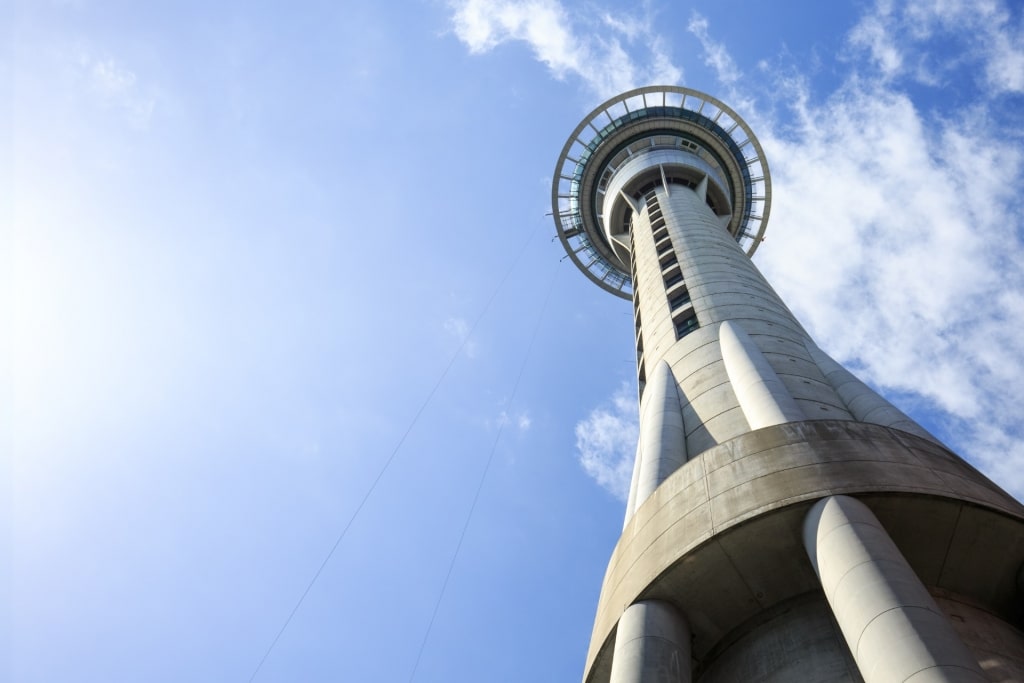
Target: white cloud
column 118, row 88
column 896, row 238
column 566, row 48
column 606, row 441
column 899, row 38
column 630, row 27
column 520, row 421
column 110, row 78
column 1005, row 67
column 874, row 33
column 715, row 54
column 460, row 330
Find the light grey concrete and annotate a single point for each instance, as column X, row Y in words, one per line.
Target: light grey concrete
column 892, row 625
column 634, row 479
column 998, row 646
column 643, row 164
column 863, row 403
column 652, row 645
column 745, row 423
column 722, row 536
column 661, row 433
column 764, row 398
column 796, row 641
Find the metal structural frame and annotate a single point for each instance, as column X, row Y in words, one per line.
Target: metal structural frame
column 647, row 113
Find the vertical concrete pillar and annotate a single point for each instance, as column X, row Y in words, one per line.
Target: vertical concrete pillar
column 631, row 500
column 892, row 625
column 662, row 435
column 765, row 400
column 652, row 645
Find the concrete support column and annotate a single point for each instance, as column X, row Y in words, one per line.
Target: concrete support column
column 762, row 395
column 662, row 437
column 631, row 500
column 652, row 645
column 892, row 625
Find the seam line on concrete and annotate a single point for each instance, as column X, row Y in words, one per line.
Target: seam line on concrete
column 819, row 463
column 954, row 471
column 942, row 666
column 897, row 607
column 639, row 556
column 785, row 444
column 949, row 544
column 704, row 422
column 633, row 640
column 743, row 578
column 839, row 582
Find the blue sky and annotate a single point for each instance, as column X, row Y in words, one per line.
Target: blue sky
column 243, row 242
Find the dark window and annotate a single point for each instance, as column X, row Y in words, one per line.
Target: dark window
column 664, row 246
column 678, row 300
column 673, row 279
column 686, row 325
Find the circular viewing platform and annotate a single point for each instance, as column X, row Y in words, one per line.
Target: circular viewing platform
column 647, row 137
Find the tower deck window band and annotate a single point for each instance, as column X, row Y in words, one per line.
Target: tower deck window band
column 685, row 325
column 679, row 300
column 673, row 279
column 784, row 521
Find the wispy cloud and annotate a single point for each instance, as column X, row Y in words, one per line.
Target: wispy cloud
column 459, row 329
column 606, row 441
column 716, row 55
column 520, row 421
column 916, row 274
column 899, row 39
column 118, row 88
column 594, row 53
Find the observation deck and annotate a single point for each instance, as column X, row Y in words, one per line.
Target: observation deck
column 657, row 135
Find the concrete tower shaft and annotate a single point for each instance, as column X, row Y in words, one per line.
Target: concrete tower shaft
column 784, row 521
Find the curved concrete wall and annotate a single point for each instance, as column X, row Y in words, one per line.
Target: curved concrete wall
column 797, row 640
column 721, row 538
column 745, row 422
column 997, row 645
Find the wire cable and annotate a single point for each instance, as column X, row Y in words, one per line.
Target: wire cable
column 483, row 476
column 391, row 457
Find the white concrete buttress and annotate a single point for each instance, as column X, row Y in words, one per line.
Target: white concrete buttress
column 631, row 501
column 894, row 629
column 652, row 645
column 765, row 400
column 863, row 403
column 662, row 435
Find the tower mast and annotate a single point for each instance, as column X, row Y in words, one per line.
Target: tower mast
column 785, row 522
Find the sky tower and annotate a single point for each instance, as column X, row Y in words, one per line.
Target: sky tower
column 784, row 521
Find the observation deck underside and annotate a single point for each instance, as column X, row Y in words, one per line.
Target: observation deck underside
column 708, row 140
